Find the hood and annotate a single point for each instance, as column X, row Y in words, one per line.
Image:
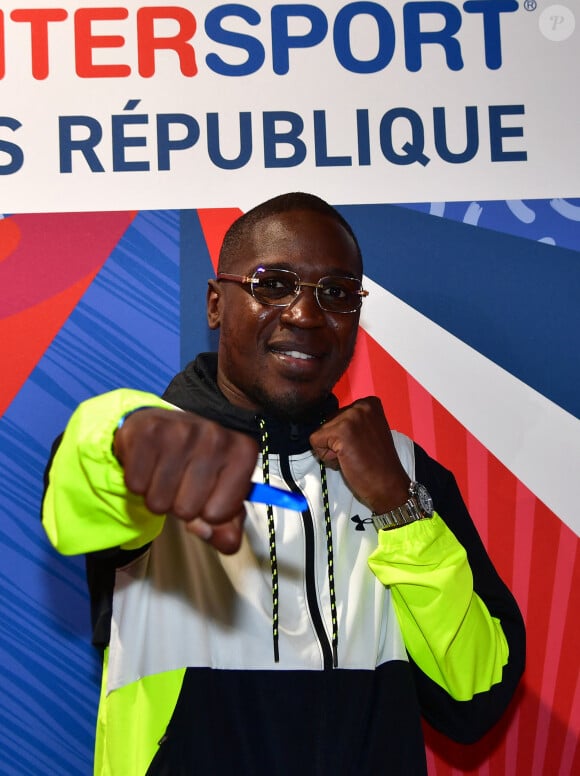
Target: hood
column 195, row 390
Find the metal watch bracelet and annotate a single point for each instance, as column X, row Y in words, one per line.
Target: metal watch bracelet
column 419, row 506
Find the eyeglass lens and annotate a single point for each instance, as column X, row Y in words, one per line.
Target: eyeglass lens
column 280, row 287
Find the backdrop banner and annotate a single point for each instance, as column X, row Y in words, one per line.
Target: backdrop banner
column 211, row 105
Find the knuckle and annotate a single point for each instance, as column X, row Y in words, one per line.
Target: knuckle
column 156, row 504
column 182, row 510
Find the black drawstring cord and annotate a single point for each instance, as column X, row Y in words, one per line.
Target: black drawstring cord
column 271, row 537
column 330, row 555
column 265, row 449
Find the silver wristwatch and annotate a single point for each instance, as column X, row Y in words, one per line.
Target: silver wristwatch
column 419, row 506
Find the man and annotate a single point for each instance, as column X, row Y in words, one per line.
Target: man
column 251, row 639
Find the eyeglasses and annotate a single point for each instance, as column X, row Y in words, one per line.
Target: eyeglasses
column 280, row 287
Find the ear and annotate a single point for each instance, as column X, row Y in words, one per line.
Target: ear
column 213, row 298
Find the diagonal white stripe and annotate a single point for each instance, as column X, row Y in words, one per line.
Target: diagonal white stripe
column 534, row 437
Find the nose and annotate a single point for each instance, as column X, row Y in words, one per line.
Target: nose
column 304, row 310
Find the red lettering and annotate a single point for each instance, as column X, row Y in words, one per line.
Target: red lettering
column 85, row 42
column 149, row 43
column 38, row 18
column 158, row 28
column 2, row 56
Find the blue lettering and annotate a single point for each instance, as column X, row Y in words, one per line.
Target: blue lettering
column 444, row 26
column 363, row 137
column 121, row 141
column 272, row 138
column 249, row 44
column 472, row 133
column 497, row 132
column 491, row 31
column 165, row 146
column 321, row 147
column 87, row 146
column 14, row 152
column 386, row 33
column 415, row 38
column 283, row 41
column 213, row 142
column 413, row 149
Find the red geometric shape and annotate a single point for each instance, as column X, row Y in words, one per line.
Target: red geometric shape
column 215, row 222
column 25, row 336
column 534, row 552
column 54, row 251
column 49, row 262
column 9, row 237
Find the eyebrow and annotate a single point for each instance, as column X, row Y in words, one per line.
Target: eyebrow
column 331, row 272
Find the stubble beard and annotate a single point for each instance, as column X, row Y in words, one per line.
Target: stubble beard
column 289, row 404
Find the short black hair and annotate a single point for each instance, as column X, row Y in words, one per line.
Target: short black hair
column 283, row 203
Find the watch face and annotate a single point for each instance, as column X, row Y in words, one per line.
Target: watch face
column 424, row 499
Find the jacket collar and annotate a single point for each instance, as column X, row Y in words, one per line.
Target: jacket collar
column 195, row 390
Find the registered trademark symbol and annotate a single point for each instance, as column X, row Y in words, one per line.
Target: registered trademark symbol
column 530, row 5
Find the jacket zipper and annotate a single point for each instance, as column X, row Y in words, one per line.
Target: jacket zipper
column 309, row 570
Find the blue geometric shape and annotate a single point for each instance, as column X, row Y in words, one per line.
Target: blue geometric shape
column 516, row 301
column 196, row 268
column 123, row 332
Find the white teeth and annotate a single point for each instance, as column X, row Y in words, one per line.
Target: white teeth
column 297, row 354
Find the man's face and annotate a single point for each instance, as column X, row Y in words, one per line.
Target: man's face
column 285, row 360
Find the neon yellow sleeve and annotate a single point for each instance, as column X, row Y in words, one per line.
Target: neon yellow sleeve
column 132, row 720
column 87, row 506
column 446, row 627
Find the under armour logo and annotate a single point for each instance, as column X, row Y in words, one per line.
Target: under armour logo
column 360, row 524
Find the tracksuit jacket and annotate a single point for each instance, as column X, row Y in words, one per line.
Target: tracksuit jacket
column 371, row 630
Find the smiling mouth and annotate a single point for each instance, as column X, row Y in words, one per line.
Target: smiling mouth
column 297, row 354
